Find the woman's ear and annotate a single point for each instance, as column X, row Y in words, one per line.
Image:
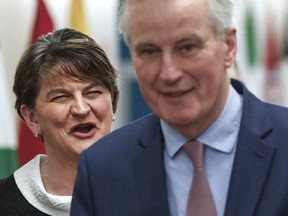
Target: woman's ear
column 29, row 116
column 231, row 44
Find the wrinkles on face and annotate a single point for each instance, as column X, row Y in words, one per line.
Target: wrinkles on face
column 73, row 114
column 179, row 61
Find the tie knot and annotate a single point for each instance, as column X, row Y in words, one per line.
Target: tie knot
column 194, row 149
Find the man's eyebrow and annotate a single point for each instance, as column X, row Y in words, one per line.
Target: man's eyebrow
column 189, row 38
column 143, row 45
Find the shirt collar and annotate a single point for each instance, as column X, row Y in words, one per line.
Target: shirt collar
column 221, row 135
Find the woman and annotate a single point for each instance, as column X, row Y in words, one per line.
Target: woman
column 66, row 92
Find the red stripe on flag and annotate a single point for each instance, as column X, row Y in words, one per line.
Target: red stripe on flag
column 28, row 145
column 273, row 91
column 43, row 22
column 272, row 48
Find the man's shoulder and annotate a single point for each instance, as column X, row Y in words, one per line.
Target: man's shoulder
column 126, row 136
column 277, row 114
column 145, row 124
column 255, row 104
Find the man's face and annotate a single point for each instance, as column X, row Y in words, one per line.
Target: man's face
column 180, row 62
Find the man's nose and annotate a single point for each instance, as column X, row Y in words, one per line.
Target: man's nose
column 170, row 70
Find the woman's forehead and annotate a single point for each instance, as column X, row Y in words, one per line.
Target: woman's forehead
column 61, row 79
column 62, row 71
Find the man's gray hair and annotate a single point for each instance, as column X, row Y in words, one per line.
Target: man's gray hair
column 221, row 14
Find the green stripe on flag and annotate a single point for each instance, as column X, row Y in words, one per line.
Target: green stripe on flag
column 8, row 162
column 251, row 48
column 8, row 153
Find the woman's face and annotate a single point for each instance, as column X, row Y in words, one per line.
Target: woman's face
column 70, row 115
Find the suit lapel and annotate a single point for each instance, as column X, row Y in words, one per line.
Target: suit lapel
column 150, row 174
column 250, row 170
column 252, row 160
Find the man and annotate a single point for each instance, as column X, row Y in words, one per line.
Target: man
column 181, row 51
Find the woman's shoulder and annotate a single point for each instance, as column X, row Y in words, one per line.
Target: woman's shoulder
column 7, row 186
column 12, row 201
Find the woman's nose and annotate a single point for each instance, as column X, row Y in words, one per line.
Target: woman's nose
column 80, row 108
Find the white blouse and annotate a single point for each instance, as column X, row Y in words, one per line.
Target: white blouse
column 29, row 182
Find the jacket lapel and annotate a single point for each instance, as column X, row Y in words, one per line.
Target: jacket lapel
column 249, row 173
column 252, row 160
column 149, row 172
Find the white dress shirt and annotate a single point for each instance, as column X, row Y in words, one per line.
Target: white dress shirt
column 220, row 141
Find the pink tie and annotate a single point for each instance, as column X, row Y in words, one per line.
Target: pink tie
column 200, row 200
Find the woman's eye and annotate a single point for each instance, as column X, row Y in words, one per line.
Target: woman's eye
column 60, row 97
column 93, row 93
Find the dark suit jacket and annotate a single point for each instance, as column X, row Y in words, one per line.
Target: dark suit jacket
column 123, row 174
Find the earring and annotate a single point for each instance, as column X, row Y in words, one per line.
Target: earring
column 36, row 134
column 113, row 119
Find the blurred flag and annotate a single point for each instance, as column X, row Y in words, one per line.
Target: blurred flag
column 273, row 86
column 29, row 146
column 8, row 152
column 285, row 38
column 77, row 19
column 250, row 32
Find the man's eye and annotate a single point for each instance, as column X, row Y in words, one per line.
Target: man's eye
column 188, row 50
column 148, row 52
column 187, row 47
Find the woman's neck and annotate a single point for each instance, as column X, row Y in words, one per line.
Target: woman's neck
column 58, row 177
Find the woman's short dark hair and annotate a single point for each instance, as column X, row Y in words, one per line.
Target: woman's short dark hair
column 78, row 56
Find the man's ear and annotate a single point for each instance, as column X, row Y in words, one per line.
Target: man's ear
column 230, row 41
column 29, row 116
